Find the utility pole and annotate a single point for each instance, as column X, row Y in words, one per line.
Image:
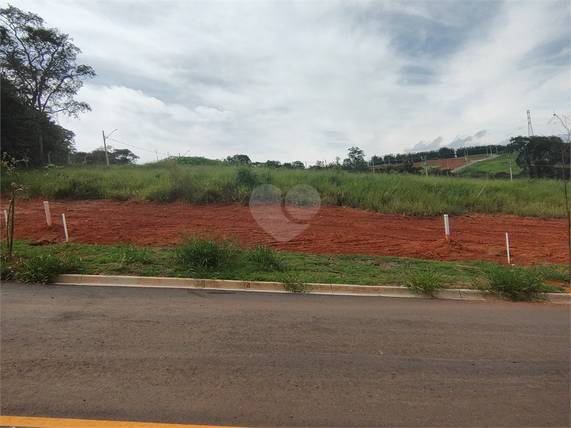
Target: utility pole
column 529, row 127
column 105, row 145
column 567, row 127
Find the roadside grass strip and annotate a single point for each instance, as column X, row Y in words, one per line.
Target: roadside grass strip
column 205, row 261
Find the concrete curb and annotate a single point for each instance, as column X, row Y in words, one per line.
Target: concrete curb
column 278, row 287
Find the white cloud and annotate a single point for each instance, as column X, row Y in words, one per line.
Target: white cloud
column 293, row 80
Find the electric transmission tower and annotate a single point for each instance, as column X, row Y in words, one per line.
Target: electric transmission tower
column 529, row 127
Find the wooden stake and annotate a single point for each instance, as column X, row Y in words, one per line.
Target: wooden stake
column 447, row 227
column 508, row 247
column 48, row 215
column 64, row 227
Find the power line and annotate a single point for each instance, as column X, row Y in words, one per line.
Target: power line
column 140, row 148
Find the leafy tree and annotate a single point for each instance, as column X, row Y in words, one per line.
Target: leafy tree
column 273, row 164
column 298, row 165
column 377, row 160
column 124, row 156
column 542, row 157
column 239, row 160
column 18, row 121
column 356, row 160
column 516, row 144
column 41, row 65
column 20, row 124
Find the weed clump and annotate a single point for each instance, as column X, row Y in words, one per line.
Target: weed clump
column 517, row 284
column 266, row 258
column 42, row 269
column 293, row 284
column 206, row 253
column 427, row 282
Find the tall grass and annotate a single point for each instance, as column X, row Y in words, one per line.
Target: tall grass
column 384, row 193
column 517, row 284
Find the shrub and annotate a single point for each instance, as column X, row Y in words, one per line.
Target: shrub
column 427, row 282
column 246, row 177
column 85, row 188
column 267, row 258
column 203, row 253
column 44, row 268
column 517, row 284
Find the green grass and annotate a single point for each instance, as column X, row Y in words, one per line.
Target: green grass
column 427, row 282
column 383, row 193
column 211, row 259
column 498, row 167
column 43, row 267
column 517, row 284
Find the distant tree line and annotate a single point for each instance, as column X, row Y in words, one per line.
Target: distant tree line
column 97, row 157
column 245, row 160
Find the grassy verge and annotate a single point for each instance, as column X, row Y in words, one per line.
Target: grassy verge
column 498, row 167
column 384, row 193
column 206, row 258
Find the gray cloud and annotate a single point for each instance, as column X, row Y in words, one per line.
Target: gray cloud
column 304, row 81
column 424, row 146
column 460, row 141
column 480, row 134
column 412, row 75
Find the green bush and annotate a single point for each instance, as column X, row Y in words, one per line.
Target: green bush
column 427, row 282
column 517, row 284
column 206, row 253
column 246, row 177
column 266, row 258
column 44, row 268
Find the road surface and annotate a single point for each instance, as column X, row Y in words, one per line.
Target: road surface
column 263, row 359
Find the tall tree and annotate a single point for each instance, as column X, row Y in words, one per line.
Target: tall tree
column 356, row 160
column 20, row 124
column 542, row 157
column 41, row 64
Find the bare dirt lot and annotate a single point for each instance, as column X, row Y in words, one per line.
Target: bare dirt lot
column 333, row 230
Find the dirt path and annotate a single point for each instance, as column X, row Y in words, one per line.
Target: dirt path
column 333, row 230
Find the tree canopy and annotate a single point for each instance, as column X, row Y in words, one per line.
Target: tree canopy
column 20, row 124
column 41, row 63
column 40, row 79
column 542, row 157
column 356, row 160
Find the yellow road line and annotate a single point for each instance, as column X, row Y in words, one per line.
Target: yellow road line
column 28, row 422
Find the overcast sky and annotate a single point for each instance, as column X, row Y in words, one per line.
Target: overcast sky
column 306, row 80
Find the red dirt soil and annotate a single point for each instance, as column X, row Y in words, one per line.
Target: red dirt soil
column 442, row 164
column 448, row 163
column 333, row 230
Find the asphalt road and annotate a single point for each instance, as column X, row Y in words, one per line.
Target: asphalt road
column 261, row 359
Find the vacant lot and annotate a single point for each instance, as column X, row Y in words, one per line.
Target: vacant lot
column 333, row 230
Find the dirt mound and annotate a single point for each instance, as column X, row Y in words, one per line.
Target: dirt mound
column 333, row 230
